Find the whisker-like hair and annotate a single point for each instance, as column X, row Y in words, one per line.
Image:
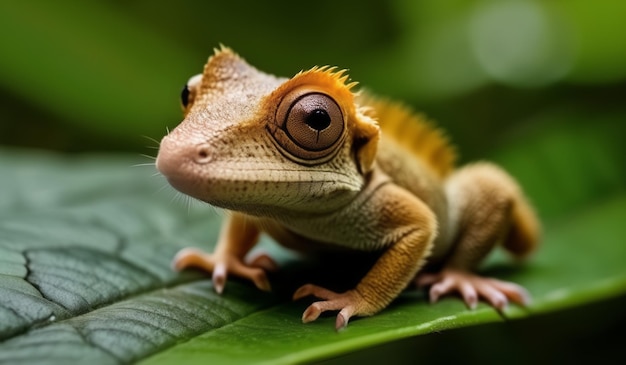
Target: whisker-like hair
column 143, row 164
column 158, row 143
column 176, row 198
column 187, row 204
column 148, row 156
column 165, row 186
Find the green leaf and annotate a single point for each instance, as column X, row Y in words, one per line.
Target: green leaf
column 86, row 243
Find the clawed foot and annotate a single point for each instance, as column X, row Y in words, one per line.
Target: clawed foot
column 222, row 265
column 472, row 287
column 348, row 304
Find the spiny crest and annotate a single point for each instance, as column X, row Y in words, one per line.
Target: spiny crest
column 224, row 64
column 332, row 74
column 224, row 52
column 330, row 79
column 412, row 131
column 220, row 54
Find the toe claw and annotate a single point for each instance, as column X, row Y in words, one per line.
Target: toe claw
column 525, row 298
column 469, row 295
column 302, row 292
column 514, row 293
column 310, row 314
column 262, row 282
column 438, row 289
column 434, row 295
column 219, row 277
column 471, row 302
column 263, row 261
column 343, row 317
column 499, row 302
column 341, row 322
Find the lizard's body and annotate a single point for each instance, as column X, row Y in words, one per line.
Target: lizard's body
column 304, row 160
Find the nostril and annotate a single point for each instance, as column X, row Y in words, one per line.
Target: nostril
column 202, row 154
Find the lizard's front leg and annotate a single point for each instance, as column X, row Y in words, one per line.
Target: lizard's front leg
column 491, row 209
column 412, row 228
column 238, row 235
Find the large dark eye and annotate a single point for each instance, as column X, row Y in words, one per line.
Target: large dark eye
column 184, row 96
column 189, row 92
column 310, row 125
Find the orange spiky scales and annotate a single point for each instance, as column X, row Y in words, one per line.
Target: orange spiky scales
column 326, row 76
column 413, row 132
column 327, row 79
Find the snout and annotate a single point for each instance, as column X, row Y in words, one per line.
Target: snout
column 181, row 163
column 173, row 156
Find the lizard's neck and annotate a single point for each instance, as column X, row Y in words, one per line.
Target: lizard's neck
column 315, row 226
column 327, row 206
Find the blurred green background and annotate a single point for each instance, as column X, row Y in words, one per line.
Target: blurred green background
column 78, row 75
column 538, row 86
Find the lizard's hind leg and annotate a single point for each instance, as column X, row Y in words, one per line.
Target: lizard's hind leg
column 488, row 208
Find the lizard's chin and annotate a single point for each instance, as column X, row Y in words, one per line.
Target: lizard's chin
column 185, row 186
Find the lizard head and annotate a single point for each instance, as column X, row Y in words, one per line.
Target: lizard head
column 260, row 144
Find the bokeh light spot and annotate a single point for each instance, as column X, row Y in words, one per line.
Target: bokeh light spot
column 520, row 43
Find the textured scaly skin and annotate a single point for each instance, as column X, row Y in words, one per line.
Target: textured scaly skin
column 388, row 185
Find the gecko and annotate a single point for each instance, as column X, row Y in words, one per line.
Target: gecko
column 321, row 167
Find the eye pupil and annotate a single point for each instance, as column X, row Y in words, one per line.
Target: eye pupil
column 184, row 96
column 318, row 119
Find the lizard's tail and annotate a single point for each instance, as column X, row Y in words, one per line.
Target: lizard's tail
column 525, row 230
